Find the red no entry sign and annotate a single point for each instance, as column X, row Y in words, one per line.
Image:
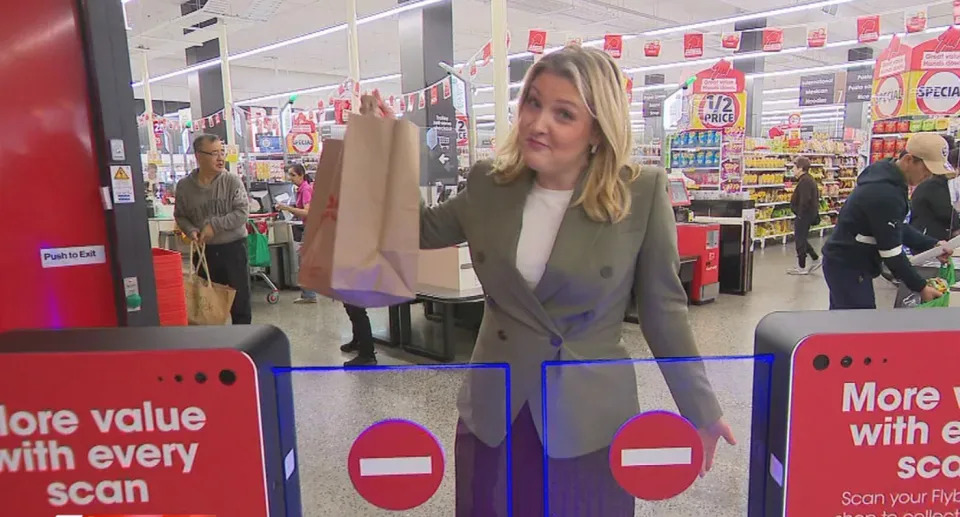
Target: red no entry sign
column 656, row 455
column 396, row 464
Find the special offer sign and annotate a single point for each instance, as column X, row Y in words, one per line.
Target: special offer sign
column 141, row 433
column 719, row 99
column 874, row 426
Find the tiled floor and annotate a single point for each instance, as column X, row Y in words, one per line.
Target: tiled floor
column 333, row 407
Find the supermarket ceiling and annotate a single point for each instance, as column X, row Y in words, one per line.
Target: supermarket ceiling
column 157, row 37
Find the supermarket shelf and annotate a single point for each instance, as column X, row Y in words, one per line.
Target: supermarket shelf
column 775, row 185
column 882, row 135
column 829, row 212
column 812, row 165
column 785, row 218
column 712, row 168
column 830, row 182
column 768, row 153
column 781, row 235
column 772, row 204
column 748, row 169
column 694, row 149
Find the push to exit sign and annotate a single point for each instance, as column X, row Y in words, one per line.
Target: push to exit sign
column 75, row 256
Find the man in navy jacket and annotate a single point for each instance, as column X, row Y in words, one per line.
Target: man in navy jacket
column 870, row 228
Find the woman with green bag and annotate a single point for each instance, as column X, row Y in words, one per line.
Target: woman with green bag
column 298, row 176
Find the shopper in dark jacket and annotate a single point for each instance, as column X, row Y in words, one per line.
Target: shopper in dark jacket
column 870, row 228
column 805, row 203
column 931, row 211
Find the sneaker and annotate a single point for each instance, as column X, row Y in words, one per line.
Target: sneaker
column 798, row 271
column 817, row 264
column 349, row 347
column 361, row 361
column 301, row 300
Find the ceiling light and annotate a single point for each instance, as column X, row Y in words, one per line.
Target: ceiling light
column 825, row 68
column 650, row 87
column 299, row 39
column 743, row 17
column 807, row 109
column 783, row 101
column 792, row 89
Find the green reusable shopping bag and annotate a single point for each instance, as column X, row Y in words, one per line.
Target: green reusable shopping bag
column 947, row 273
column 257, row 247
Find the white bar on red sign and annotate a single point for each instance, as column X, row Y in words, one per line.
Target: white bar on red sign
column 404, row 466
column 656, row 457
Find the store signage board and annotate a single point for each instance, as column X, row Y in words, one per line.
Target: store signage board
column 656, row 455
column 890, row 80
column 121, row 178
column 719, row 99
column 653, row 102
column 115, row 433
column 886, row 418
column 269, row 144
column 934, row 79
column 859, row 84
column 817, row 90
column 73, row 256
column 396, row 465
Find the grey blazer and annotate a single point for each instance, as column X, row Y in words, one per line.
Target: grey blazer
column 575, row 313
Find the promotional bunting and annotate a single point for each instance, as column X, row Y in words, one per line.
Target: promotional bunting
column 447, row 90
column 434, row 95
column 915, row 19
column 730, row 40
column 422, row 102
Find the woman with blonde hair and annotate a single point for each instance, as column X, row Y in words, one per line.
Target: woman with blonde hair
column 563, row 229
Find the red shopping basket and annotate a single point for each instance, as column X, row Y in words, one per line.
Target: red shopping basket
column 171, row 302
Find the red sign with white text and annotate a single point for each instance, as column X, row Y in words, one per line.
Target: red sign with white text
column 693, row 45
column 817, row 36
column 772, row 40
column 652, row 48
column 162, row 432
column 629, row 89
column 656, row 455
column 613, row 45
column 536, row 41
column 868, row 28
column 396, row 465
column 874, row 426
column 915, row 19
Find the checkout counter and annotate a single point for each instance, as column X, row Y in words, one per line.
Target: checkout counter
column 734, row 215
column 699, row 247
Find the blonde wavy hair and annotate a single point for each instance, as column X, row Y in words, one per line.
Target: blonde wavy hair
column 606, row 193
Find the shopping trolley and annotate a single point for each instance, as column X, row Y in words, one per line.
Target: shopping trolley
column 259, row 252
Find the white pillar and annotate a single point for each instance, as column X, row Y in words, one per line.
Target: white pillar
column 148, row 105
column 353, row 53
column 227, row 89
column 501, row 77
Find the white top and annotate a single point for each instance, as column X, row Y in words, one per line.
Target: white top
column 542, row 214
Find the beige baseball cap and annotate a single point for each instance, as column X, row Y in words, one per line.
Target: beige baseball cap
column 933, row 150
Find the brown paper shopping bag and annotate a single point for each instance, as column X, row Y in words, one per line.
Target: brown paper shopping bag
column 208, row 303
column 362, row 234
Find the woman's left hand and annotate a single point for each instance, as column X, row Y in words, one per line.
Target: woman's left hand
column 710, row 436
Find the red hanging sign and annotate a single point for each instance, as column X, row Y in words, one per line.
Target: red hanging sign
column 613, row 45
column 868, row 28
column 411, row 102
column 320, row 105
column 341, row 110
column 630, row 90
column 693, row 45
column 956, row 12
column 434, row 95
column 730, row 40
column 817, row 36
column 487, row 54
column 536, row 41
column 772, row 40
column 915, row 20
column 652, row 48
column 423, row 100
column 447, row 90
column 403, row 104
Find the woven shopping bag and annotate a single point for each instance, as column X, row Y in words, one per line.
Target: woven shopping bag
column 362, row 235
column 208, row 303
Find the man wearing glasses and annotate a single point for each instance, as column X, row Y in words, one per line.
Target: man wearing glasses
column 212, row 209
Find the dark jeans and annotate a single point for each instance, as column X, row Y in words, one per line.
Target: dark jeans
column 362, row 334
column 849, row 287
column 228, row 266
column 802, row 239
column 579, row 487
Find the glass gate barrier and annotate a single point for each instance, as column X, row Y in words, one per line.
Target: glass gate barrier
column 625, row 438
column 392, row 440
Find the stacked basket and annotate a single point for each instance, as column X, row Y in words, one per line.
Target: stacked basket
column 171, row 301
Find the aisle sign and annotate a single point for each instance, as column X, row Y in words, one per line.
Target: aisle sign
column 396, row 465
column 656, row 455
column 121, row 177
column 858, row 84
column 890, row 80
column 868, row 28
column 886, row 419
column 817, row 90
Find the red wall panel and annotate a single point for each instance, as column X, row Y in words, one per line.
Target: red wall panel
column 49, row 172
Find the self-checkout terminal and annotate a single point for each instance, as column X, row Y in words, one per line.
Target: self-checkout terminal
column 696, row 240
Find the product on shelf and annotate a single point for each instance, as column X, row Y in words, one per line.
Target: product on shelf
column 696, row 139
